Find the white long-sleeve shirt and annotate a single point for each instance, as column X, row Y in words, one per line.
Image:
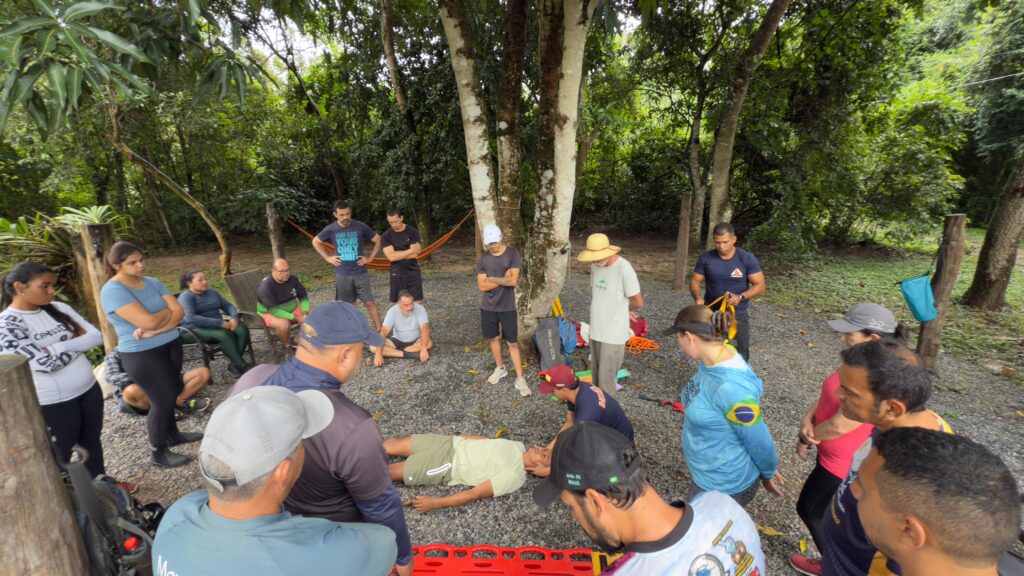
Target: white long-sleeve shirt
column 60, row 369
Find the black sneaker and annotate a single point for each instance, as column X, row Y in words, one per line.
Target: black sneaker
column 194, row 406
column 183, row 438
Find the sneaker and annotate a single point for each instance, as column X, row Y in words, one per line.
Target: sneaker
column 805, row 565
column 179, row 414
column 497, row 375
column 524, row 390
column 195, row 406
column 235, row 370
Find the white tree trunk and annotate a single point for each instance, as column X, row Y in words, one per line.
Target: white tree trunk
column 473, row 109
column 548, row 251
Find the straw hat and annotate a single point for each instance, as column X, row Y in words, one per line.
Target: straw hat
column 598, row 248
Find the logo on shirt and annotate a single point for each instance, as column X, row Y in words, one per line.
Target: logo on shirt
column 736, row 273
column 745, row 413
column 602, row 283
column 707, row 565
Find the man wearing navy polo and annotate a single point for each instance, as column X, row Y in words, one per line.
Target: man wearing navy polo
column 732, row 272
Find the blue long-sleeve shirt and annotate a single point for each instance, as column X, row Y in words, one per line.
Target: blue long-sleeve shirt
column 725, row 441
column 203, row 310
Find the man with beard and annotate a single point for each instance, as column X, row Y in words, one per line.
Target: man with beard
column 597, row 473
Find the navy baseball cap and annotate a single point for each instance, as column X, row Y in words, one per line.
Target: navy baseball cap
column 336, row 323
column 588, row 455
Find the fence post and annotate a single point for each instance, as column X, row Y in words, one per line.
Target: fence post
column 276, row 234
column 40, row 535
column 950, row 255
column 96, row 242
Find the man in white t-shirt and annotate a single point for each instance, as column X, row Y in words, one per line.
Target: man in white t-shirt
column 406, row 331
column 597, row 473
column 615, row 296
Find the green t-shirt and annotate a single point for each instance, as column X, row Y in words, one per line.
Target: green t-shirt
column 497, row 460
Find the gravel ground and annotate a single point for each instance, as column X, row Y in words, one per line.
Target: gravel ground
column 792, row 352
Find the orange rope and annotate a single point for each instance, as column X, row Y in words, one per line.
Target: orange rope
column 384, row 263
column 636, row 345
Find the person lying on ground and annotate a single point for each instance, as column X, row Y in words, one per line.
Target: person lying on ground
column 411, row 326
column 132, row 399
column 598, row 474
column 584, row 402
column 492, row 466
column 937, row 503
column 345, row 476
column 213, row 319
column 282, row 301
column 250, row 458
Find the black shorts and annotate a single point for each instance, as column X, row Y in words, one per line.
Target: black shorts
column 411, row 281
column 400, row 345
column 490, row 321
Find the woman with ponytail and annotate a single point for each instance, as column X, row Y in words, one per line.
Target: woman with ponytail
column 836, row 437
column 726, row 443
column 146, row 316
column 55, row 338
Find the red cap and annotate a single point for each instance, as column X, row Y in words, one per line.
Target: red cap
column 560, row 376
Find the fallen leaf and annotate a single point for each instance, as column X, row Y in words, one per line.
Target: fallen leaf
column 1019, row 413
column 409, row 378
column 473, row 371
column 407, row 504
column 377, row 392
column 517, row 404
column 803, row 546
column 465, row 348
column 447, row 317
column 655, row 365
column 803, row 332
column 769, row 531
column 1008, row 371
column 377, row 415
column 810, row 344
column 499, row 432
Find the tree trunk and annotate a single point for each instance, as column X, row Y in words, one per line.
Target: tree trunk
column 276, row 233
column 473, row 108
column 121, row 189
column 40, row 534
column 563, row 37
column 424, row 217
column 509, row 162
column 222, row 240
column 725, row 138
column 682, row 243
column 999, row 250
column 697, row 171
column 950, row 255
column 149, row 190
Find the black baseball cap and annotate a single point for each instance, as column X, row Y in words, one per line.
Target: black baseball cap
column 587, row 455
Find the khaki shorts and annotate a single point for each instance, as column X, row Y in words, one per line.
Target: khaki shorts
column 431, row 460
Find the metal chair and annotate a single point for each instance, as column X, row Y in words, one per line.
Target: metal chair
column 208, row 351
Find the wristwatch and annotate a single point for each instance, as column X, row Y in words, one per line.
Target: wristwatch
column 743, row 298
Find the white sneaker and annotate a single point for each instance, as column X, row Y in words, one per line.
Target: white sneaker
column 499, row 373
column 524, row 390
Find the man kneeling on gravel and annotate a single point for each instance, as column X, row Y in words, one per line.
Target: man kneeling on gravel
column 492, row 466
column 411, row 337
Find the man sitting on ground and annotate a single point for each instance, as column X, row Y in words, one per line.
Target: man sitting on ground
column 492, row 466
column 345, row 475
column 937, row 503
column 252, row 453
column 132, row 399
column 597, row 473
column 282, row 301
column 584, row 403
column 411, row 326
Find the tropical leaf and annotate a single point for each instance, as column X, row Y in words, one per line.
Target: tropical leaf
column 118, row 43
column 193, row 12
column 45, row 7
column 73, row 87
column 55, row 75
column 36, row 108
column 46, row 39
column 10, row 50
column 27, row 25
column 23, row 85
column 84, row 9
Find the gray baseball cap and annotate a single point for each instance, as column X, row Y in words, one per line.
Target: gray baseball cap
column 256, row 430
column 865, row 317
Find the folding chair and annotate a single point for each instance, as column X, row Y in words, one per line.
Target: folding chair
column 244, row 287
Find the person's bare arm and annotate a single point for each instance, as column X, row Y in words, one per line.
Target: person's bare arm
column 395, row 255
column 570, row 417
column 695, row 290
column 378, row 354
column 757, row 285
column 424, row 338
column 424, row 504
column 364, row 260
column 484, row 283
column 332, row 259
column 835, row 427
column 510, row 279
column 137, row 315
column 636, row 302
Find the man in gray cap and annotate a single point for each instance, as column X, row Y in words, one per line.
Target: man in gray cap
column 251, row 455
column 345, row 475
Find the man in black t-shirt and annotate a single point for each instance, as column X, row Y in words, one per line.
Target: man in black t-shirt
column 401, row 244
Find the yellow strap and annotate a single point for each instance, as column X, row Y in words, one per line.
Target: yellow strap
column 725, row 306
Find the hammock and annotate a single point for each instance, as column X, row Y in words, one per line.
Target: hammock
column 384, row 263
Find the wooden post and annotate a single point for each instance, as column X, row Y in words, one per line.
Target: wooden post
column 951, row 254
column 276, row 234
column 40, row 535
column 682, row 244
column 96, row 242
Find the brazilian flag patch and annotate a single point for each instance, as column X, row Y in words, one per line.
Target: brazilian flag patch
column 745, row 413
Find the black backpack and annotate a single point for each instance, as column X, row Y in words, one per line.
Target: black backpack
column 118, row 531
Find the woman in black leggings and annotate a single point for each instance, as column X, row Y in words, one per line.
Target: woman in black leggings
column 55, row 338
column 146, row 315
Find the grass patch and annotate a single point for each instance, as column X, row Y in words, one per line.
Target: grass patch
column 832, row 282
